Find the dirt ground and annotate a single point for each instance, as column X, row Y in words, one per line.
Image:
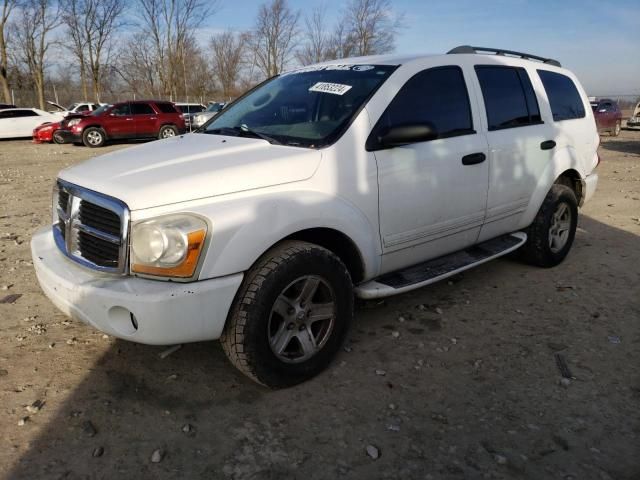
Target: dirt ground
column 470, row 389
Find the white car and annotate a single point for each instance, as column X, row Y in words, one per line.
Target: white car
column 20, row 122
column 372, row 176
column 77, row 107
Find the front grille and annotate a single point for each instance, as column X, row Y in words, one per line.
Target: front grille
column 99, row 218
column 91, row 228
column 98, row 251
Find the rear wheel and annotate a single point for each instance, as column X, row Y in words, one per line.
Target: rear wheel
column 290, row 315
column 550, row 236
column 167, row 131
column 616, row 130
column 93, row 137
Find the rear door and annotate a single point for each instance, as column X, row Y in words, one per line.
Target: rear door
column 118, row 123
column 520, row 144
column 145, row 119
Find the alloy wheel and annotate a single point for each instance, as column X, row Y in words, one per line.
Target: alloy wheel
column 302, row 319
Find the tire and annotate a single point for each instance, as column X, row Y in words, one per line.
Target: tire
column 93, row 137
column 57, row 138
column 550, row 236
column 267, row 333
column 616, row 129
column 167, row 131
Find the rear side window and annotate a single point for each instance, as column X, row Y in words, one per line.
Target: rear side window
column 165, row 107
column 437, row 96
column 564, row 99
column 508, row 97
column 142, row 109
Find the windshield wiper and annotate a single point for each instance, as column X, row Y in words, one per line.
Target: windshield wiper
column 242, row 131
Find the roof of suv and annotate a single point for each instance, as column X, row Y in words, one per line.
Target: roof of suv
column 395, row 59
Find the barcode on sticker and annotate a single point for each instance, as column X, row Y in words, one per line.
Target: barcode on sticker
column 333, row 88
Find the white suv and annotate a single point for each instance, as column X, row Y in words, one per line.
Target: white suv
column 372, row 175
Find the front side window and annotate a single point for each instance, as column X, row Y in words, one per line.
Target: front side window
column 122, row 110
column 508, row 97
column 564, row 99
column 437, row 97
column 310, row 107
column 142, row 109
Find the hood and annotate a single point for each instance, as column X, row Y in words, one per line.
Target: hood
column 54, row 104
column 191, row 167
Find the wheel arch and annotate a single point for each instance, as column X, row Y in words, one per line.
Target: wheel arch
column 339, row 244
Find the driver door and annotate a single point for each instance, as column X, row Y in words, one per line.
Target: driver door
column 119, row 122
column 432, row 194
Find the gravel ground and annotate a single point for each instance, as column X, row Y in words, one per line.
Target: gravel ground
column 455, row 381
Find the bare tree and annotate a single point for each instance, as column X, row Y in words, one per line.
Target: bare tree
column 317, row 41
column 273, row 39
column 7, row 7
column 91, row 25
column 34, row 30
column 169, row 25
column 371, row 27
column 228, row 50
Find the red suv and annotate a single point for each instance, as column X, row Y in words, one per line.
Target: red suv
column 139, row 119
column 608, row 116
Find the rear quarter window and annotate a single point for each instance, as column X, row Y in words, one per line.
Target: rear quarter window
column 564, row 99
column 165, row 107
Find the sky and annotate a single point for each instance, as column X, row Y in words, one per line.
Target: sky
column 598, row 40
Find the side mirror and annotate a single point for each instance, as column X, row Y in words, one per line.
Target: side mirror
column 400, row 135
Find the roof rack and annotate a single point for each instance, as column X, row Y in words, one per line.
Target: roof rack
column 499, row 51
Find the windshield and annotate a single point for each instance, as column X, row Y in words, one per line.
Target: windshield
column 72, row 106
column 309, row 107
column 100, row 110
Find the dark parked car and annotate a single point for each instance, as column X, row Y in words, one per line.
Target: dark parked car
column 126, row 120
column 608, row 116
column 6, row 105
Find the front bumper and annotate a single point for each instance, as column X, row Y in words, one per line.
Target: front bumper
column 135, row 309
column 589, row 185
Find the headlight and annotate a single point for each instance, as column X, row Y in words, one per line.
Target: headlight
column 73, row 121
column 168, row 246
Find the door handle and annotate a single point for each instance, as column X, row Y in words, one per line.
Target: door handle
column 474, row 158
column 548, row 145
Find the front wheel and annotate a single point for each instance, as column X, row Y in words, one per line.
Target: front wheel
column 290, row 315
column 57, row 138
column 550, row 236
column 167, row 131
column 93, row 137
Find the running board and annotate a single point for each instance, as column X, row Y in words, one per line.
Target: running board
column 433, row 271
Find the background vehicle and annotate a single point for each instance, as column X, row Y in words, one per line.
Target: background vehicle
column 20, row 122
column 373, row 176
column 47, row 133
column 212, row 110
column 189, row 110
column 634, row 120
column 78, row 107
column 126, row 120
column 608, row 116
column 6, row 105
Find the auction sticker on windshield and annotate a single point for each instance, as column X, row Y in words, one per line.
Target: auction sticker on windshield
column 333, row 88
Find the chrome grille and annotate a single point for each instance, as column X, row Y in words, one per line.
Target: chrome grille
column 91, row 228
